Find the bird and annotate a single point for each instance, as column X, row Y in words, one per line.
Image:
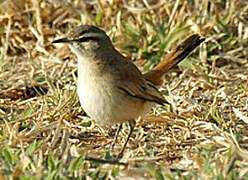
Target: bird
column 110, row 87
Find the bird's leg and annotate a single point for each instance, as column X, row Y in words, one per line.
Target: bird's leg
column 116, row 135
column 132, row 124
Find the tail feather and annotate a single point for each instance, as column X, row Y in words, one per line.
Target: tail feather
column 183, row 50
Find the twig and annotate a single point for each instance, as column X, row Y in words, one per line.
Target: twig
column 103, row 161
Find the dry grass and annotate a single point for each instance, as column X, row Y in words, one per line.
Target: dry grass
column 203, row 134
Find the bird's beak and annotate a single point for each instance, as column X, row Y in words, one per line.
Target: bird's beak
column 62, row 40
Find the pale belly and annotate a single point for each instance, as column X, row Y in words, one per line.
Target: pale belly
column 106, row 105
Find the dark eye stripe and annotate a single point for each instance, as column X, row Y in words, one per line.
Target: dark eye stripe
column 85, row 39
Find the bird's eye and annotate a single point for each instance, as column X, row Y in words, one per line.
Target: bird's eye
column 86, row 39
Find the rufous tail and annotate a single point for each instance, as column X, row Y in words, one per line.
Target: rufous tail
column 183, row 50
